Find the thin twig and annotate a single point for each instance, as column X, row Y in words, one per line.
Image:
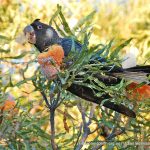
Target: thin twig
column 80, row 131
column 111, row 136
column 115, row 132
column 57, row 99
column 45, row 99
column 86, row 124
column 91, row 113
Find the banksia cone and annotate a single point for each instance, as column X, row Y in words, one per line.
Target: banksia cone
column 51, row 61
column 9, row 106
column 138, row 93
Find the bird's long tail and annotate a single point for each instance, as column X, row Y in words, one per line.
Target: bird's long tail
column 87, row 94
column 137, row 74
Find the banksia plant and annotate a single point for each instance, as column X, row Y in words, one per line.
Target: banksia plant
column 79, row 124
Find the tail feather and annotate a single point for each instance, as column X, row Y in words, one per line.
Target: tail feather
column 87, row 94
column 144, row 69
column 137, row 74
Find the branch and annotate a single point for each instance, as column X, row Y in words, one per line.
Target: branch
column 111, row 136
column 52, row 123
column 115, row 133
column 91, row 113
column 86, row 124
column 52, row 107
column 80, row 130
column 45, row 99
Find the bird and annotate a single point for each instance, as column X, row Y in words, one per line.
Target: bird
column 43, row 36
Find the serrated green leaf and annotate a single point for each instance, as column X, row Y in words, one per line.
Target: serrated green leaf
column 107, row 123
column 17, row 57
column 64, row 23
column 96, row 47
column 72, row 45
column 23, row 132
column 107, row 49
column 55, row 14
column 27, row 145
column 119, row 48
column 24, row 81
column 84, row 20
column 41, row 132
column 103, row 101
column 60, row 31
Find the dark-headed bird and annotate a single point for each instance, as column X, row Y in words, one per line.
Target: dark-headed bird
column 54, row 47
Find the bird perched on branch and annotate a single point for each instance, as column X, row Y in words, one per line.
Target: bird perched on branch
column 44, row 36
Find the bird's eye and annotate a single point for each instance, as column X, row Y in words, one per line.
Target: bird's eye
column 39, row 27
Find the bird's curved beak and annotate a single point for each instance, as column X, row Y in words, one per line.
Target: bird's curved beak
column 30, row 34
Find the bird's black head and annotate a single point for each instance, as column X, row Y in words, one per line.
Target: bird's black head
column 41, row 35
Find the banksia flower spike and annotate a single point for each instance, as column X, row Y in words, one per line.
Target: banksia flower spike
column 51, row 61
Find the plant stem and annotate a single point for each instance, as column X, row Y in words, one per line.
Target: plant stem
column 52, row 123
column 52, row 109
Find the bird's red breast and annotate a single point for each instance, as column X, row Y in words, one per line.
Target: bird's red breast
column 138, row 93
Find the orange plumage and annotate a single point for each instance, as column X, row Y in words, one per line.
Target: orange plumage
column 51, row 61
column 138, row 93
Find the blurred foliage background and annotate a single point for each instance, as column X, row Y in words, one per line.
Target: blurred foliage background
column 29, row 127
